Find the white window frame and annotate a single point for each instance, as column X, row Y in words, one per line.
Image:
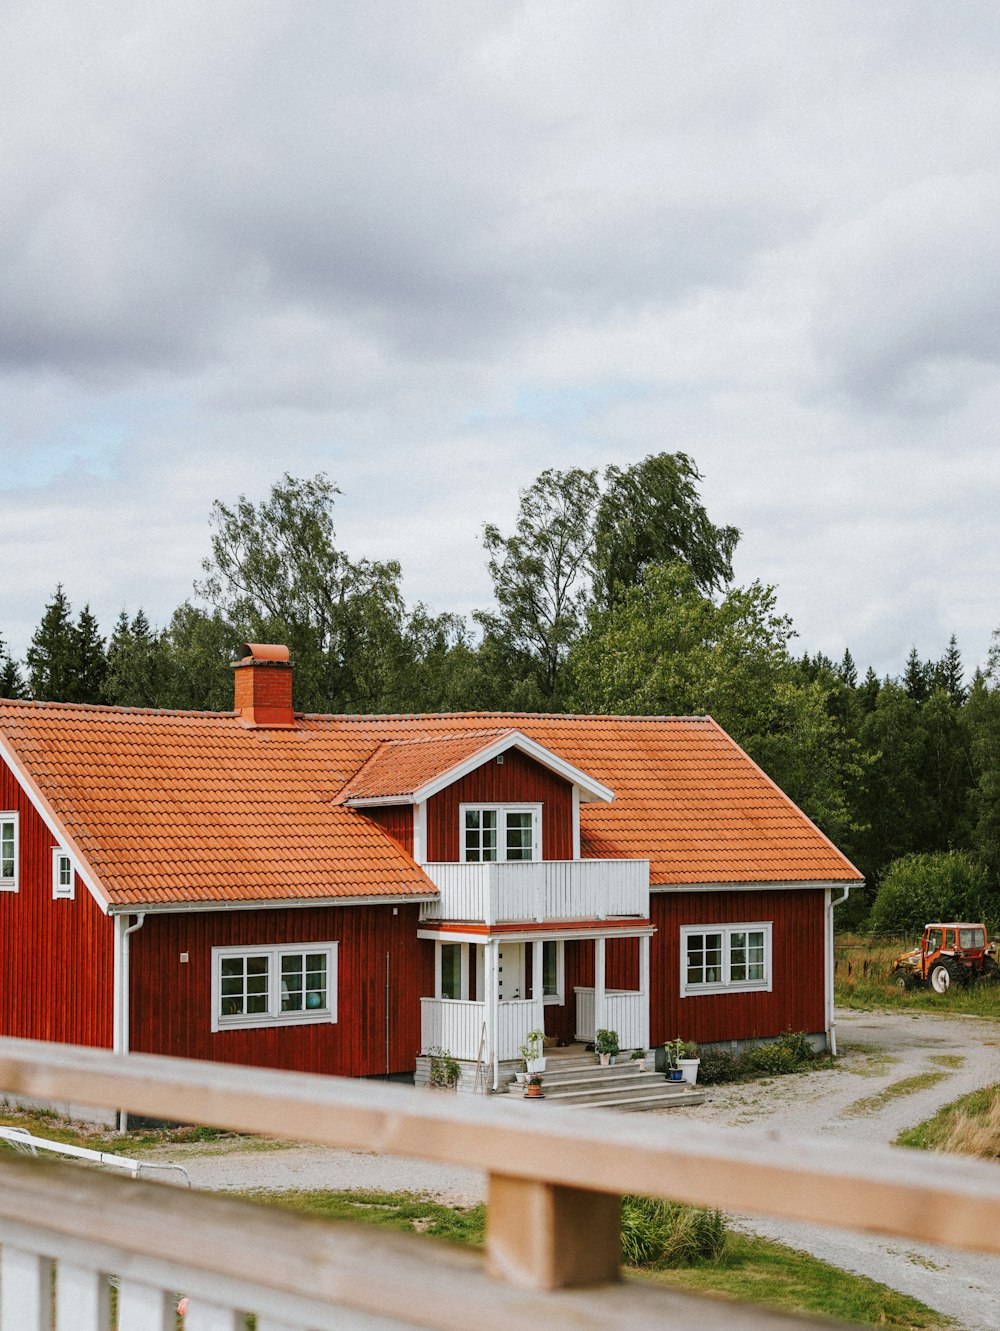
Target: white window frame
column 10, row 884
column 559, row 997
column 274, row 1015
column 438, row 972
column 62, row 891
column 726, row 985
column 536, row 831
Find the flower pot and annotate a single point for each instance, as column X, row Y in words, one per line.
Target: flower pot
column 535, row 1065
column 675, row 1074
column 520, row 1078
column 533, row 1092
column 688, row 1068
column 605, row 1059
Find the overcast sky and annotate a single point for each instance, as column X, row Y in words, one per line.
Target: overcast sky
column 433, row 248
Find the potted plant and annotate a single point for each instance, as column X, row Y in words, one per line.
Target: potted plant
column 607, row 1046
column 680, row 1060
column 533, row 1087
column 444, row 1071
column 532, row 1052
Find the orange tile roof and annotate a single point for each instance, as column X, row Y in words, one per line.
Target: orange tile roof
column 189, row 807
column 400, row 766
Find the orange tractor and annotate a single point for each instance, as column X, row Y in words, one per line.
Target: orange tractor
column 947, row 954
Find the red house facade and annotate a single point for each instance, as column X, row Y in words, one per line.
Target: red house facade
column 345, row 894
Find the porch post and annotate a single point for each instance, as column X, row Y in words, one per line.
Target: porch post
column 644, row 988
column 599, row 1018
column 537, row 984
column 490, row 1007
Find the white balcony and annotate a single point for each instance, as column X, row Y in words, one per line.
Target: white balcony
column 541, row 890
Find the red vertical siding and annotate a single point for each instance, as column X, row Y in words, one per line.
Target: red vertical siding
column 796, row 1000
column 397, row 819
column 56, row 957
column 517, row 780
column 172, row 1000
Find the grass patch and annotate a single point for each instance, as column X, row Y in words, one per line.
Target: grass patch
column 402, row 1211
column 968, row 1126
column 862, row 978
column 865, row 1060
column 683, row 1246
column 947, row 1060
column 871, row 1104
column 756, row 1270
column 97, row 1138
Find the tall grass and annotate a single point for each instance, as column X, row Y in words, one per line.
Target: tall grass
column 862, row 978
column 968, row 1126
column 659, row 1233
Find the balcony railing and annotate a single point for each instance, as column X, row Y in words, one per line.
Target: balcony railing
column 554, row 1180
column 626, row 1012
column 540, row 890
column 459, row 1026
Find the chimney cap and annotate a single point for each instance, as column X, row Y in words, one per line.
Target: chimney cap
column 264, row 651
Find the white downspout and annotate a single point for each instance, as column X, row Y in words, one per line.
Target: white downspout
column 121, row 1039
column 831, row 1025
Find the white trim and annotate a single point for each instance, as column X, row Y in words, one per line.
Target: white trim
column 274, row 1016
column 12, row 883
column 536, row 831
column 520, row 935
column 61, row 892
column 59, row 833
column 197, row 907
column 118, row 924
column 592, row 790
column 726, row 985
column 420, row 832
column 789, row 886
column 576, row 822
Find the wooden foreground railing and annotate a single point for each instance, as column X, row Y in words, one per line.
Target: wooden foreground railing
column 555, row 1177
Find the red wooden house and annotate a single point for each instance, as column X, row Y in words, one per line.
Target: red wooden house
column 344, row 893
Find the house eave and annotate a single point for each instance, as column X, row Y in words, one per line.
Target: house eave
column 278, row 903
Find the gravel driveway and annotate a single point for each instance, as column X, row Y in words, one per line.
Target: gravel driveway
column 879, row 1050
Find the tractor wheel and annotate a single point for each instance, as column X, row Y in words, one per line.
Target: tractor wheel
column 905, row 980
column 990, row 973
column 944, row 974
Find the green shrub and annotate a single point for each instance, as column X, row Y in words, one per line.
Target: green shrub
column 920, row 889
column 659, row 1233
column 788, row 1053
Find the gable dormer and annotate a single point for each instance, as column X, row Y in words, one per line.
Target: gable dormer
column 476, row 795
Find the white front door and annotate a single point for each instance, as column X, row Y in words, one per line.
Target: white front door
column 510, row 968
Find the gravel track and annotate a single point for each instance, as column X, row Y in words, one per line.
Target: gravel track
column 879, row 1050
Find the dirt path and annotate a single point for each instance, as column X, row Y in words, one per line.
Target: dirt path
column 950, row 1056
column 856, row 1102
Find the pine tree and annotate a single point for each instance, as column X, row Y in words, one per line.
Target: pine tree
column 135, row 676
column 51, row 657
column 847, row 670
column 949, row 674
column 11, row 680
column 91, row 665
column 918, row 677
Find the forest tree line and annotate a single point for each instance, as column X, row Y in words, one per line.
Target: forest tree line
column 613, row 593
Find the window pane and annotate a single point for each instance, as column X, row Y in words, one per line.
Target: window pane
column 291, row 983
column 696, row 959
column 713, row 959
column 244, row 983
column 451, row 970
column 519, row 836
column 755, row 955
column 489, row 834
column 550, row 969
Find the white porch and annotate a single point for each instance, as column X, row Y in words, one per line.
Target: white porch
column 515, row 980
column 497, row 893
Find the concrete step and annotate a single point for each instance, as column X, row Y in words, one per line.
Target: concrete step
column 583, row 1080
column 594, row 1091
column 553, row 1078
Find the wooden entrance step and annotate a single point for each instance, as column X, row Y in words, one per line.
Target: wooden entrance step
column 581, row 1081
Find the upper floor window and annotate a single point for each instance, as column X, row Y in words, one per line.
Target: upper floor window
column 8, row 852
column 729, row 956
column 62, row 875
column 291, row 984
column 501, row 832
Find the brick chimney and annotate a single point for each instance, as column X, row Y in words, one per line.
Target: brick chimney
column 263, row 680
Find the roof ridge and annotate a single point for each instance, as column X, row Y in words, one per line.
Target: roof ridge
column 116, row 709
column 361, row 717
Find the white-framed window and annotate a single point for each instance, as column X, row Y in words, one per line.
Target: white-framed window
column 62, row 875
column 287, row 984
column 9, row 852
column 452, row 970
column 553, row 970
column 724, row 957
column 500, row 832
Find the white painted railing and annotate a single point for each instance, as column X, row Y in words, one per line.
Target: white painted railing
column 457, row 1026
column 553, row 1240
column 539, row 890
column 626, row 1011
